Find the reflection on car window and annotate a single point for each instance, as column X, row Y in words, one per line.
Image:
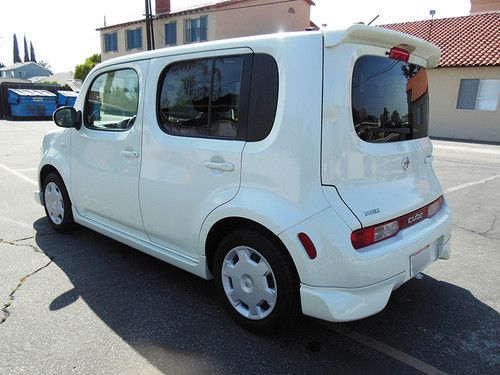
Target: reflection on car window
column 226, row 97
column 389, row 100
column 112, row 101
column 201, row 98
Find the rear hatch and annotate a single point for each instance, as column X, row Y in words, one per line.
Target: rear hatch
column 376, row 154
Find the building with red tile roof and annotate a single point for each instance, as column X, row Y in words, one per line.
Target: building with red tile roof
column 464, row 41
column 465, row 87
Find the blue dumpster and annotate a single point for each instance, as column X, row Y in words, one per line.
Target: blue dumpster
column 66, row 98
column 31, row 103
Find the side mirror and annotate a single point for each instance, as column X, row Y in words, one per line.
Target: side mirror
column 67, row 117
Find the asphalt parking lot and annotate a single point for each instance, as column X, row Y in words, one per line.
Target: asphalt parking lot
column 82, row 303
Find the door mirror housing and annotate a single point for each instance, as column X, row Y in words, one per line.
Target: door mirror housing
column 67, row 117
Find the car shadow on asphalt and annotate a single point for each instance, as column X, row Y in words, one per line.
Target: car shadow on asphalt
column 173, row 318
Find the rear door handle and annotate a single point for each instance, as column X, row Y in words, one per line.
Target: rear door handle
column 224, row 166
column 130, row 154
column 429, row 159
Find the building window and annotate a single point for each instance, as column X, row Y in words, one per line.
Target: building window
column 111, row 42
column 134, row 39
column 195, row 30
column 171, row 33
column 479, row 94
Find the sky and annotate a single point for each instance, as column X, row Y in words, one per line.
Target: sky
column 63, row 31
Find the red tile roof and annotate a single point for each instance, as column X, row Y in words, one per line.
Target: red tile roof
column 464, row 41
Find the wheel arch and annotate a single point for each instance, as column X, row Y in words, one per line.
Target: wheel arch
column 228, row 224
column 47, row 169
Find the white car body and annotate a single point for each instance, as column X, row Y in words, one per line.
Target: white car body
column 311, row 174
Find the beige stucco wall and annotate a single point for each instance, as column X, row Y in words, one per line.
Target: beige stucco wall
column 234, row 22
column 448, row 121
column 227, row 22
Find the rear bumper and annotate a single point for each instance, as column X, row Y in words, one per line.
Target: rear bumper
column 346, row 304
column 343, row 284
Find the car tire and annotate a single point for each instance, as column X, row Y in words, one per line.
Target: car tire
column 57, row 203
column 257, row 280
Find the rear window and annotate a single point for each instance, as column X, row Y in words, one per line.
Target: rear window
column 390, row 100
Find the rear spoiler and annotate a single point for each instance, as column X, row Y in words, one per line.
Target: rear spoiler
column 385, row 38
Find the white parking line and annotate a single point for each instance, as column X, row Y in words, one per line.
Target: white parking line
column 386, row 349
column 26, row 169
column 467, row 184
column 19, row 175
column 467, row 149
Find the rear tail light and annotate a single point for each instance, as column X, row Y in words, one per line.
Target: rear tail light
column 434, row 207
column 367, row 236
column 397, row 53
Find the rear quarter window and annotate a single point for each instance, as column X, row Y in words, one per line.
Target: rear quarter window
column 390, row 100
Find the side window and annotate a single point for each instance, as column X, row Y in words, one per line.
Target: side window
column 224, row 118
column 263, row 97
column 112, row 101
column 184, row 98
column 201, row 98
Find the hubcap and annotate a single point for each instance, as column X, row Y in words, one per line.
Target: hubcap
column 54, row 203
column 249, row 283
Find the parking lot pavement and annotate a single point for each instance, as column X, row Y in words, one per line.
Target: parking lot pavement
column 81, row 302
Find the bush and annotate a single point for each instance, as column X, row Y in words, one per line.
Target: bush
column 82, row 70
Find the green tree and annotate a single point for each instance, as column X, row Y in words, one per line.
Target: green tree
column 32, row 53
column 26, row 53
column 16, row 58
column 82, row 70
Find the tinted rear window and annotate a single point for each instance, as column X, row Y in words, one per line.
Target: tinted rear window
column 390, row 100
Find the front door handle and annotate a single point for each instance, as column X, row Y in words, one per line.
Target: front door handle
column 130, row 154
column 429, row 159
column 224, row 166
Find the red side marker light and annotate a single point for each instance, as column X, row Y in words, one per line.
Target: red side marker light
column 308, row 245
column 397, row 53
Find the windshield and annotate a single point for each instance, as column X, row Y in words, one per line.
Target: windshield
column 390, row 100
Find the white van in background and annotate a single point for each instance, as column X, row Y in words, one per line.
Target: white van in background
column 295, row 169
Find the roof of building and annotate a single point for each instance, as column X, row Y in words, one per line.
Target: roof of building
column 212, row 5
column 20, row 65
column 59, row 78
column 13, row 80
column 464, row 41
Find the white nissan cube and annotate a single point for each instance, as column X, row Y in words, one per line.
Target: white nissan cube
column 295, row 169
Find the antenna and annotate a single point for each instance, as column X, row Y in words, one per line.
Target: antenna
column 377, row 16
column 432, row 12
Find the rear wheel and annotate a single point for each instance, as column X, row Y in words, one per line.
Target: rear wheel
column 256, row 280
column 57, row 203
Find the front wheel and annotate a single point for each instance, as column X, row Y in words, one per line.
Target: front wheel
column 57, row 203
column 257, row 280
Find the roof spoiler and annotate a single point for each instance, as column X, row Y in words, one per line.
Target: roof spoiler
column 385, row 38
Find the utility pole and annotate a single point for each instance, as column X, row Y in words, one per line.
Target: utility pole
column 150, row 38
column 151, row 26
